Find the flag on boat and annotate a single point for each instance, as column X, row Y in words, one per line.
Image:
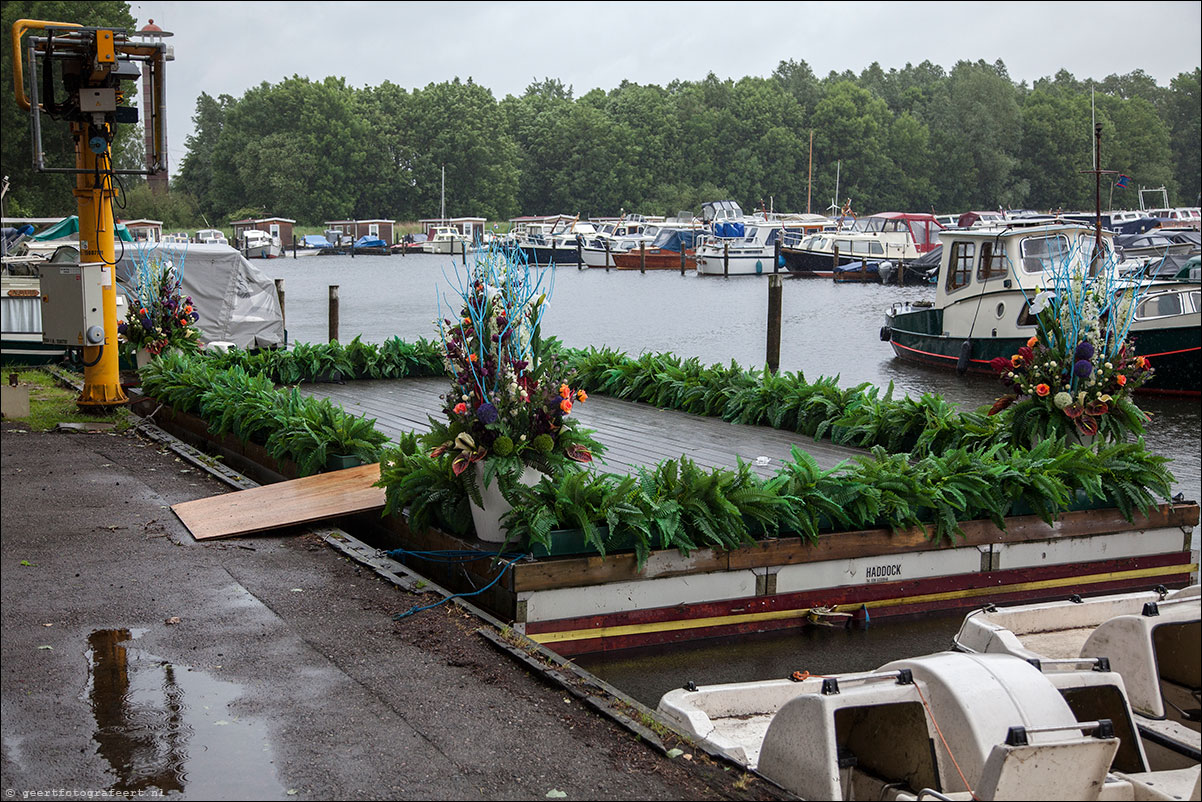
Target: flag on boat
column 1122, row 182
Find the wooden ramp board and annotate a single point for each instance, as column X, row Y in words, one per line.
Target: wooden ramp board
column 299, row 501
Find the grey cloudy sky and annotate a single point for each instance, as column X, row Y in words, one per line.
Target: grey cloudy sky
column 228, row 47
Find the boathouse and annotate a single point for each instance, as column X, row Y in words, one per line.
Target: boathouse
column 354, row 229
column 275, row 226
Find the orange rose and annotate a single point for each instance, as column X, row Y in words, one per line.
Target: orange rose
column 1120, row 378
column 1016, row 360
column 1042, row 390
column 565, row 405
column 565, row 391
column 581, row 396
column 1031, row 342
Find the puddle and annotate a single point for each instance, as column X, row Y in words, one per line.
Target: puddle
column 168, row 729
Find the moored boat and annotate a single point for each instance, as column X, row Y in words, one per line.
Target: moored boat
column 1150, row 638
column 989, row 276
column 897, row 237
column 257, row 244
column 942, row 726
column 664, row 253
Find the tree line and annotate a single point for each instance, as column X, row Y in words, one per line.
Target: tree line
column 919, row 138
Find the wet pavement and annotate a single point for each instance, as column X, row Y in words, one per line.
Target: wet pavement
column 136, row 661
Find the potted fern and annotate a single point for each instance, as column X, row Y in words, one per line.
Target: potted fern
column 507, row 412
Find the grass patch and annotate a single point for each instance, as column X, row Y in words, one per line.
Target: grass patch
column 50, row 403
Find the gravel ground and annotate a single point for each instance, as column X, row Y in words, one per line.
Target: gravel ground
column 137, row 661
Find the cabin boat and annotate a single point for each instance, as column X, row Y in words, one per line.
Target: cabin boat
column 663, row 253
column 740, row 248
column 1151, row 639
column 256, row 244
column 211, row 236
column 551, row 240
column 616, row 238
column 943, row 726
column 446, row 240
column 896, row 237
column 988, row 275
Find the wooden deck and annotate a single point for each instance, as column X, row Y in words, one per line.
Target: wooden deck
column 634, row 434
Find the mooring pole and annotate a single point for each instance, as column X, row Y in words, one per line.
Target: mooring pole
column 279, row 293
column 642, row 257
column 775, row 291
column 333, row 312
column 725, row 259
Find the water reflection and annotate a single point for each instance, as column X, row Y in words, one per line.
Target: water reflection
column 647, row 674
column 168, row 729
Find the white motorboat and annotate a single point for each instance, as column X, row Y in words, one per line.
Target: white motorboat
column 1151, row 639
column 260, row 245
column 446, row 240
column 944, row 726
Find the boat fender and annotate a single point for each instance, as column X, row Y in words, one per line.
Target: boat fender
column 886, row 334
column 965, row 357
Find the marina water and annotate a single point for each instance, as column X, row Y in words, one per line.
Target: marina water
column 827, row 329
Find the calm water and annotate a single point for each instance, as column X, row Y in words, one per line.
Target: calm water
column 827, row 329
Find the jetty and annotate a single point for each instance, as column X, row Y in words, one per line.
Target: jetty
column 575, row 600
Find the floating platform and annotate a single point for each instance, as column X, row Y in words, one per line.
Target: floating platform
column 581, row 603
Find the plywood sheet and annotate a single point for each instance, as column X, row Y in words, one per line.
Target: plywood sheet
column 284, row 504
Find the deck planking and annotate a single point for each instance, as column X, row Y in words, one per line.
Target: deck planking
column 635, row 435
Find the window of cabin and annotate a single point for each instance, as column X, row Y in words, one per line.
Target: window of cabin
column 993, row 261
column 1162, row 305
column 1039, row 253
column 373, row 229
column 959, row 265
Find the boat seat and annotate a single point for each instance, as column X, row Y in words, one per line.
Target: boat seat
column 1173, row 784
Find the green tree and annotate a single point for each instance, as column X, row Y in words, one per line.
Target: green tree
column 46, row 194
column 1183, row 115
column 197, row 167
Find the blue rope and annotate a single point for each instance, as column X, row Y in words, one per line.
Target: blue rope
column 465, row 556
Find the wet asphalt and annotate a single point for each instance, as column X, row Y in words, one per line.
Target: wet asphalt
column 136, row 661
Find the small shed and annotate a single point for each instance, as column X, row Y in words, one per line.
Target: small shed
column 275, row 226
column 470, row 227
column 149, row 231
column 354, row 229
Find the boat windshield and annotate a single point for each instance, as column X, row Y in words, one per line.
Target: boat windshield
column 1039, row 253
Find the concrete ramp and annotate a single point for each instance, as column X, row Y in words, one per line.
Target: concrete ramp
column 284, row 504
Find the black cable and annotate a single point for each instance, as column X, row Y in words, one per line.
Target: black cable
column 94, row 362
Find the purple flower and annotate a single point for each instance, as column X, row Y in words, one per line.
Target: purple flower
column 1084, row 351
column 486, row 413
column 122, row 327
column 1083, row 368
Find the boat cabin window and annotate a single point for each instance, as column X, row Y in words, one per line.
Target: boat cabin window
column 993, row 261
column 844, row 245
column 1039, row 253
column 1163, row 304
column 959, row 265
column 924, row 232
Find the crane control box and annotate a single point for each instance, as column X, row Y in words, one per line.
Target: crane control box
column 72, row 303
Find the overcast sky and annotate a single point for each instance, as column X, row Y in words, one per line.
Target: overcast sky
column 228, row 47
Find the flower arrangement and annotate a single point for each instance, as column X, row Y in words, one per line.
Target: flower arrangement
column 159, row 317
column 509, row 403
column 1075, row 376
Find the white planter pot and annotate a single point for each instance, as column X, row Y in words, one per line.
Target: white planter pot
column 143, row 357
column 487, row 519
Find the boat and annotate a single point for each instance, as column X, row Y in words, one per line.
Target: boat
column 211, row 236
column 611, row 239
column 368, row 245
column 554, row 240
column 987, row 277
column 664, row 253
column 1150, row 638
column 257, row 244
column 897, row 237
column 445, row 240
column 941, row 726
column 737, row 244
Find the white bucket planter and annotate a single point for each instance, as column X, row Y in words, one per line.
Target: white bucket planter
column 487, row 519
column 143, row 358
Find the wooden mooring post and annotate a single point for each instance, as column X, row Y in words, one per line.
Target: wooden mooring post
column 333, row 312
column 725, row 259
column 775, row 292
column 642, row 257
column 607, row 255
column 682, row 259
column 279, row 293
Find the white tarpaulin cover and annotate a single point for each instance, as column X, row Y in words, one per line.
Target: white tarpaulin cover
column 235, row 301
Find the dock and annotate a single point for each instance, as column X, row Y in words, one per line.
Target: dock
column 635, row 435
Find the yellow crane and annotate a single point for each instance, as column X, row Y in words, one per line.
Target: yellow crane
column 82, row 81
